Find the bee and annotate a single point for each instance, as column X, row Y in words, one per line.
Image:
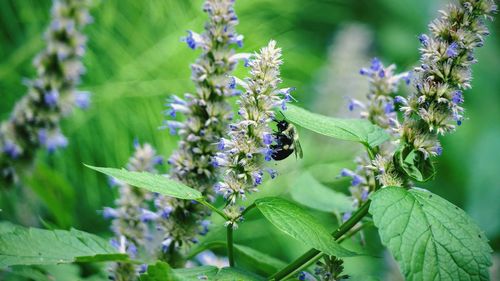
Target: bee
column 286, row 141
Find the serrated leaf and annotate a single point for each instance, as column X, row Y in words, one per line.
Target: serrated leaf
column 358, row 130
column 430, row 238
column 294, row 221
column 236, row 274
column 154, row 183
column 159, row 272
column 309, row 192
column 27, row 246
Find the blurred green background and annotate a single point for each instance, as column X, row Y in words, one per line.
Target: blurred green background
column 135, row 60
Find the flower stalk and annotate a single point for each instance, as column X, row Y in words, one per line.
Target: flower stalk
column 52, row 95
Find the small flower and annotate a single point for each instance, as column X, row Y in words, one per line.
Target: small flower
column 424, row 40
column 457, row 97
column 51, row 98
column 147, row 215
column 110, row 213
column 82, row 99
column 194, row 40
column 452, row 50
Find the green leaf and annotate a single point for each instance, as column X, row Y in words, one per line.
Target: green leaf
column 232, row 274
column 413, row 163
column 159, row 272
column 358, row 130
column 294, row 221
column 430, row 238
column 154, row 183
column 258, row 259
column 197, row 273
column 27, row 246
column 309, row 192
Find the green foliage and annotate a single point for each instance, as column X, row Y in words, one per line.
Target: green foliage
column 27, row 246
column 294, row 221
column 154, row 183
column 309, row 192
column 413, row 164
column 162, row 272
column 357, row 130
column 430, row 238
column 259, row 260
column 159, row 272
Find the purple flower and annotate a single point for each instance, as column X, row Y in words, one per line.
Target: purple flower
column 381, row 73
column 51, row 98
column 400, row 99
column 424, row 40
column 272, row 173
column 232, row 83
column 165, row 213
column 143, row 268
column 11, row 149
column 82, row 100
column 389, row 107
column 158, row 160
column 267, row 138
column 356, row 180
column 257, row 178
column 268, row 154
column 194, row 40
column 452, row 50
column 52, row 141
column 439, row 150
column 109, row 213
column 346, row 216
column 346, row 173
column 220, row 145
column 147, row 215
column 376, row 64
column 132, row 250
column 457, row 97
column 115, row 244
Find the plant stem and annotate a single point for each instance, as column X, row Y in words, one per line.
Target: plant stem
column 213, row 208
column 250, row 207
column 230, row 251
column 312, row 254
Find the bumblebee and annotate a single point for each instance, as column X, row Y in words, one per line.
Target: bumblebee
column 286, row 141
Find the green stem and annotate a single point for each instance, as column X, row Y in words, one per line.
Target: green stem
column 213, row 208
column 230, row 250
column 250, row 207
column 299, row 263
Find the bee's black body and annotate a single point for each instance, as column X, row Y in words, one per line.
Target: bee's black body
column 286, row 139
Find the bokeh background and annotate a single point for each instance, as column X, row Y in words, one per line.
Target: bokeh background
column 135, row 60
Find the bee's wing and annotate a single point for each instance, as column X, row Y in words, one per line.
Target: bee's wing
column 298, row 150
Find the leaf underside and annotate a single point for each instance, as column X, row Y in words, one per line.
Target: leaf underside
column 357, row 130
column 430, row 238
column 152, row 182
column 294, row 221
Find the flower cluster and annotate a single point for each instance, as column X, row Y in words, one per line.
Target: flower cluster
column 131, row 213
column 379, row 109
column 34, row 122
column 207, row 114
column 435, row 106
column 248, row 145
